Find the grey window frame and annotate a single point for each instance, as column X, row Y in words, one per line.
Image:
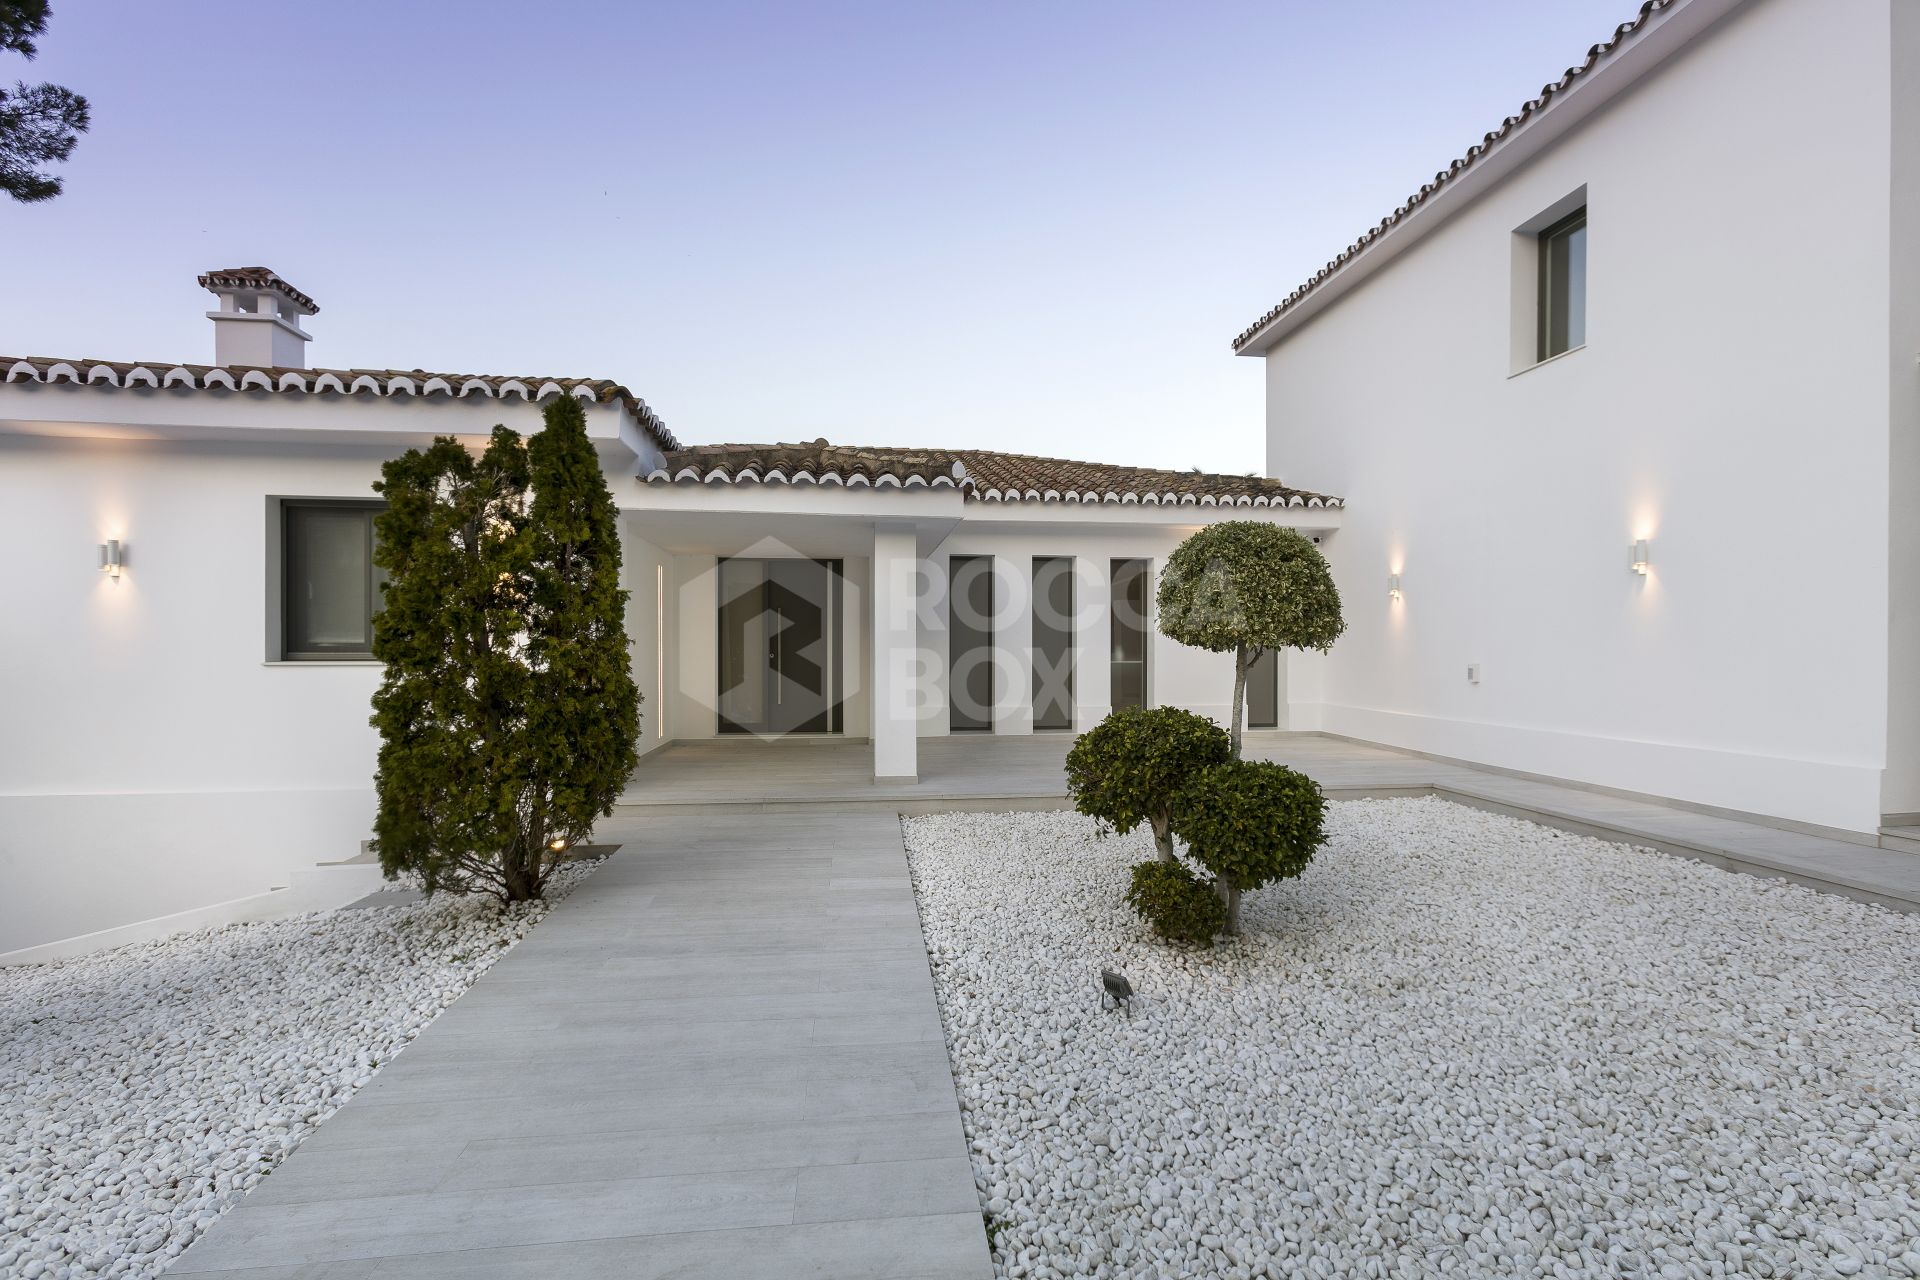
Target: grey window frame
column 284, row 578
column 1116, row 626
column 980, row 637
column 1263, row 691
column 1552, row 292
column 1053, row 642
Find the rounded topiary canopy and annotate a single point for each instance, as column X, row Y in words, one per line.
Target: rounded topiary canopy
column 1251, row 822
column 1126, row 769
column 1245, row 584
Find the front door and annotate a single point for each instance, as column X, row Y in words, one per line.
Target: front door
column 779, row 646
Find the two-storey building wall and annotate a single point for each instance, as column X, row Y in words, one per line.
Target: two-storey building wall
column 1730, row 407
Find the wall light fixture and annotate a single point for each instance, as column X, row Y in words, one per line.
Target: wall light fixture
column 1640, row 557
column 111, row 557
column 1393, row 586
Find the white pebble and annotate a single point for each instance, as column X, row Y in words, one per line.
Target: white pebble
column 144, row 1090
column 1461, row 1044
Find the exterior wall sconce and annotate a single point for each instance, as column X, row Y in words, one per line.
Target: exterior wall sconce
column 1393, row 586
column 1640, row 557
column 111, row 558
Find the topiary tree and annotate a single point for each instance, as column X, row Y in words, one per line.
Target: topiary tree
column 507, row 713
column 1250, row 823
column 1179, row 905
column 1243, row 587
column 1126, row 769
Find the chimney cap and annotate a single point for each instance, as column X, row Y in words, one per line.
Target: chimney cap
column 256, row 279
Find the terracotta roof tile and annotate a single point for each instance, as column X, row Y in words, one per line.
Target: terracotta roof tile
column 1597, row 54
column 257, row 278
column 981, row 475
column 349, row 382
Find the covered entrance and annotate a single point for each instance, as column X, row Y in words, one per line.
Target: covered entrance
column 780, row 646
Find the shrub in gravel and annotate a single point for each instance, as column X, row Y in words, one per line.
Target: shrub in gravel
column 507, row 712
column 1181, row 906
column 1250, row 823
column 1243, row 587
column 1127, row 769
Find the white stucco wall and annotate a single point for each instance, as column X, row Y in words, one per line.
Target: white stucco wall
column 1901, row 793
column 151, row 759
column 1731, row 406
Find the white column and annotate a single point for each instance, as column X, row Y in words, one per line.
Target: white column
column 896, row 657
column 1092, row 639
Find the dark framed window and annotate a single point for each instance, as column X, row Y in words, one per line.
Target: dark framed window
column 1127, row 629
column 1563, row 285
column 329, row 585
column 970, row 652
column 1263, row 690
column 1053, row 642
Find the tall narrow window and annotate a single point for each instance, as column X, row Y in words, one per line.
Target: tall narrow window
column 329, row 586
column 1128, row 629
column 1053, row 642
column 970, row 656
column 1563, row 285
column 1263, row 690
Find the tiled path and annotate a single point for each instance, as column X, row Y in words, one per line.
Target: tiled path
column 720, row 1057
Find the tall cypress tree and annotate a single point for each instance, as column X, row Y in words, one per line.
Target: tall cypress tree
column 508, row 715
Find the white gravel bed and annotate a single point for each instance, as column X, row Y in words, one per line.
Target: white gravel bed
column 1460, row 1044
column 144, row 1090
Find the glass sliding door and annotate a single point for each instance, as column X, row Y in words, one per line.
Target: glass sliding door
column 970, row 658
column 1053, row 642
column 1129, row 580
column 1263, row 690
column 780, row 646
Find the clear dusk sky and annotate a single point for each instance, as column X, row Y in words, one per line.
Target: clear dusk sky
column 1031, row 226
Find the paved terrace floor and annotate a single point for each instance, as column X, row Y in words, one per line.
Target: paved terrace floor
column 720, row 1057
column 975, row 770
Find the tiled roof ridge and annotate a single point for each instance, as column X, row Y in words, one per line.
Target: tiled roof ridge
column 256, row 278
column 984, row 475
column 1595, row 55
column 383, row 382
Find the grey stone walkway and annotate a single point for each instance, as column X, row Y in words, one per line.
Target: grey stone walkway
column 720, row 1057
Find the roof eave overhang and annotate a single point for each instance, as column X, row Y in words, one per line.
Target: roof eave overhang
column 256, row 417
column 1664, row 34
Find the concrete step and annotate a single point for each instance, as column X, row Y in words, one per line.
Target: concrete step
column 1904, row 839
column 340, row 882
column 361, row 858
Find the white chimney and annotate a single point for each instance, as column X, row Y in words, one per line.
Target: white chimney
column 257, row 324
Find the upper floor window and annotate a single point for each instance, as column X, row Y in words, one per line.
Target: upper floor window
column 329, row 585
column 1562, row 324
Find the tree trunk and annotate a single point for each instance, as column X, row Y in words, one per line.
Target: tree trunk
column 1241, row 660
column 521, row 873
column 1231, row 896
column 1163, row 836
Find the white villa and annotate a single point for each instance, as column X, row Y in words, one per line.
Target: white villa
column 1622, row 408
column 187, row 675
column 1626, row 409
